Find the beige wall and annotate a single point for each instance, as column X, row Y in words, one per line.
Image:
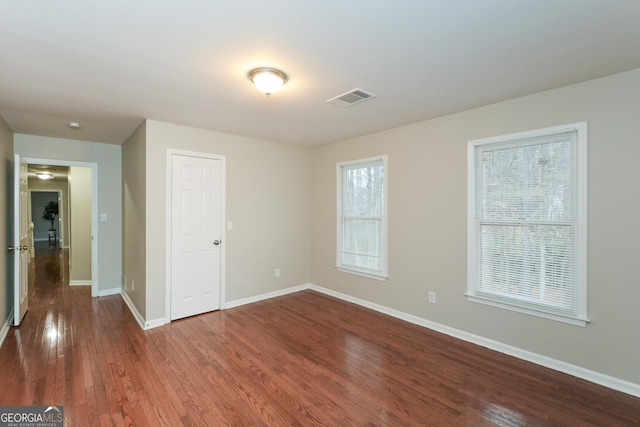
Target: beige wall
column 267, row 199
column 108, row 159
column 80, row 186
column 6, row 217
column 133, row 217
column 427, row 175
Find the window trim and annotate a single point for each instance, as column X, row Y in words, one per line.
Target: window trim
column 371, row 274
column 580, row 318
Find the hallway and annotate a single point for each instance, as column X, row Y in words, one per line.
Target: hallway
column 49, row 359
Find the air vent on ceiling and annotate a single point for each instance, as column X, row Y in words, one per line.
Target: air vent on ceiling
column 352, row 97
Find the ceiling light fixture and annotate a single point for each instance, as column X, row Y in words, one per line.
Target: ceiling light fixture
column 267, row 80
column 74, row 125
column 45, row 175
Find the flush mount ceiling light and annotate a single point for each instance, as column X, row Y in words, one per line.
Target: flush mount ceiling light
column 45, row 175
column 74, row 125
column 267, row 80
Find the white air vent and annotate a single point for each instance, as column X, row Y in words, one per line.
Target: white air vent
column 352, row 97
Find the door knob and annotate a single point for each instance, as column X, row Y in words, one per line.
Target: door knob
column 216, row 242
column 24, row 248
column 11, row 249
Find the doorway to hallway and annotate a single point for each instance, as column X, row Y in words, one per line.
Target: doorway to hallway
column 74, row 227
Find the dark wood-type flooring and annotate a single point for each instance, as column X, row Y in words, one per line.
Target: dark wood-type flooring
column 304, row 359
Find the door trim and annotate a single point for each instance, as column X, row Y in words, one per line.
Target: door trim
column 169, row 169
column 94, row 209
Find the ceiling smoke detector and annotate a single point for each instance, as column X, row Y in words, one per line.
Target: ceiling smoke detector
column 354, row 96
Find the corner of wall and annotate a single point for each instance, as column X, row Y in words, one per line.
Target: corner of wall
column 133, row 221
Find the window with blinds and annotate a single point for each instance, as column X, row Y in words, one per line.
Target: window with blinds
column 362, row 224
column 527, row 222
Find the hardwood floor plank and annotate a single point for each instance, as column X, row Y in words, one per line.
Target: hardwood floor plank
column 305, row 359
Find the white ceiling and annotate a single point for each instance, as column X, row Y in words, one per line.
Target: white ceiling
column 111, row 64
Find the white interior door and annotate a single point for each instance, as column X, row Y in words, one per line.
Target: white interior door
column 21, row 240
column 196, row 224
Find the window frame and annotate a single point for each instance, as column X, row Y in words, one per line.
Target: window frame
column 381, row 275
column 579, row 317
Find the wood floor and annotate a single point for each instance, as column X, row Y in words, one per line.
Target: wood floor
column 304, row 359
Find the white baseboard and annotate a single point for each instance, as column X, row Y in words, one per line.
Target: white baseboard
column 109, row 292
column 150, row 324
column 136, row 314
column 5, row 328
column 79, row 283
column 548, row 362
column 133, row 309
column 262, row 297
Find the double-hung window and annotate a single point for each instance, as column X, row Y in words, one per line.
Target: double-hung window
column 362, row 217
column 527, row 222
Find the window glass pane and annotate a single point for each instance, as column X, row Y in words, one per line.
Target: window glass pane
column 363, row 190
column 362, row 243
column 532, row 182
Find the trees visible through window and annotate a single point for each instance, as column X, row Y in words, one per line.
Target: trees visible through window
column 362, row 217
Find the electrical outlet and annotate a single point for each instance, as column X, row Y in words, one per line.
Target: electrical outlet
column 277, row 272
column 432, row 297
column 133, row 286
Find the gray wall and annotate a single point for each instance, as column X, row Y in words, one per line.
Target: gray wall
column 6, row 218
column 427, row 175
column 108, row 159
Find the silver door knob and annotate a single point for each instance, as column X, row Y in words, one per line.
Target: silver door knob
column 24, row 248
column 216, row 242
column 11, row 249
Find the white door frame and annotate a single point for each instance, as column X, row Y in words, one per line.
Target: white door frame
column 94, row 209
column 170, row 153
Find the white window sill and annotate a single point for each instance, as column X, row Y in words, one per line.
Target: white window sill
column 382, row 278
column 576, row 321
